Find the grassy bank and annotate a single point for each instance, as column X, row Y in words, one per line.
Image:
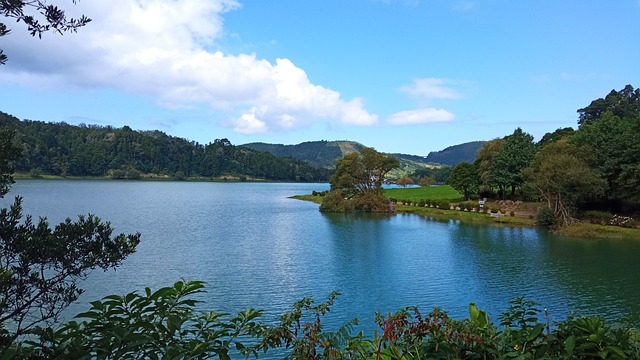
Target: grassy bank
column 524, row 214
column 443, row 192
column 466, row 216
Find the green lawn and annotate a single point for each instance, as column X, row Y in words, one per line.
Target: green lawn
column 442, row 192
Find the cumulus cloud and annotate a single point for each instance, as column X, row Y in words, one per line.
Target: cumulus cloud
column 162, row 49
column 430, row 88
column 420, row 116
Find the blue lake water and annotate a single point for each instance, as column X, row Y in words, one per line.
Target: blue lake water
column 257, row 248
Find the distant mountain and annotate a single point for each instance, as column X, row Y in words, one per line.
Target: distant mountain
column 455, row 154
column 319, row 153
column 325, row 153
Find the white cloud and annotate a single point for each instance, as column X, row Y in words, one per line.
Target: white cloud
column 160, row 48
column 430, row 88
column 420, row 116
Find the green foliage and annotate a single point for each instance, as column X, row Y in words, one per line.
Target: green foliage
column 597, row 217
column 546, row 217
column 9, row 153
column 609, row 145
column 164, row 324
column 404, row 181
column 439, row 174
column 152, row 325
column 356, row 184
column 427, row 181
column 484, row 161
column 559, row 134
column 456, row 154
column 179, row 175
column 41, row 267
column 506, row 166
column 563, row 180
column 335, row 201
column 317, row 153
column 623, row 103
column 464, row 178
column 91, row 150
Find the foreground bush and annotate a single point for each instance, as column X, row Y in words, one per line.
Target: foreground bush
column 165, row 324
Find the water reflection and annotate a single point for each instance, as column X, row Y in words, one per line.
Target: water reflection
column 257, row 248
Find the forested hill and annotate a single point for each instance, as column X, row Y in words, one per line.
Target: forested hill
column 325, row 153
column 92, row 150
column 456, row 154
column 319, row 153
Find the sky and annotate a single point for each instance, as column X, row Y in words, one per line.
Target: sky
column 401, row 76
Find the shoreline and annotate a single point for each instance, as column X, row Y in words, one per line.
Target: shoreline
column 579, row 230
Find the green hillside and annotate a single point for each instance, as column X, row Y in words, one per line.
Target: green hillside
column 455, row 154
column 319, row 153
column 104, row 151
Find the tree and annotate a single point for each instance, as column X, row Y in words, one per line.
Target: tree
column 464, row 178
column 39, row 17
column 559, row 134
column 357, row 182
column 40, row 268
column 404, row 181
column 610, row 146
column 484, row 160
column 507, row 165
column 563, row 180
column 623, row 103
column 358, row 173
column 9, row 154
column 427, row 181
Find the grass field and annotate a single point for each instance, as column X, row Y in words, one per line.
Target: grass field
column 442, row 192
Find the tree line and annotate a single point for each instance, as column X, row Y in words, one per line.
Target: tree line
column 92, row 150
column 593, row 168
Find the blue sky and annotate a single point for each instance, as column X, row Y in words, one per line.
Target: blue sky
column 409, row 76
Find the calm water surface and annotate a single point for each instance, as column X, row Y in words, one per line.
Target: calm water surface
column 257, row 248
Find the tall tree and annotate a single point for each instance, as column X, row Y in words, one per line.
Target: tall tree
column 610, row 145
column 357, row 182
column 507, row 165
column 622, row 103
column 484, row 160
column 358, row 173
column 40, row 17
column 563, row 180
column 464, row 178
column 9, row 154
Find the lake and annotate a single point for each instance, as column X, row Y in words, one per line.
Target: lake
column 257, row 248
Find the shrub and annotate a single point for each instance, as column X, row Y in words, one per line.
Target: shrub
column 546, row 217
column 370, row 202
column 166, row 324
column 179, row 175
column 442, row 204
column 132, row 174
column 597, row 217
column 335, row 201
column 117, row 174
